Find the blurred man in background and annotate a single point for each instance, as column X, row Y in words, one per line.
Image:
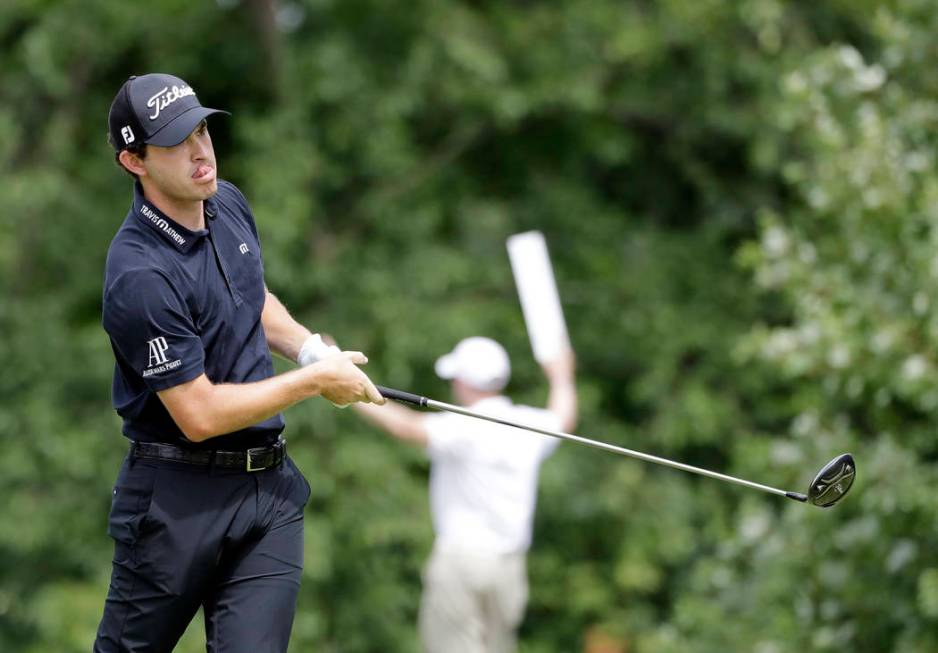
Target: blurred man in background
column 207, row 509
column 483, row 491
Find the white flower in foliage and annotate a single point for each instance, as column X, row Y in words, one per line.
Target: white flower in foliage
column 839, row 357
column 914, row 367
column 775, row 241
column 870, row 78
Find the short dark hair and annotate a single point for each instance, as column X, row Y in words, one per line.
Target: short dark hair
column 140, row 150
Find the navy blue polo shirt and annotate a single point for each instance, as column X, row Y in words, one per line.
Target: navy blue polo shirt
column 179, row 303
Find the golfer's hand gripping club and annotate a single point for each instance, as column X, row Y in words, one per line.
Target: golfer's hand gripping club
column 344, row 382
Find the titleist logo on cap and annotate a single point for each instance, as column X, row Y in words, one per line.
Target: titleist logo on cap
column 167, row 96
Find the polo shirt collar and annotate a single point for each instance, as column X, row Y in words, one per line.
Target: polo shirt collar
column 180, row 237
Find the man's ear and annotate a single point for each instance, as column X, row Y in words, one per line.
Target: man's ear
column 132, row 162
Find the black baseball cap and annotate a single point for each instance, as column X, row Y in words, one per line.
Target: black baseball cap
column 158, row 109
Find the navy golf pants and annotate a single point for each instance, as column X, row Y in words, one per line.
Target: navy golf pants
column 186, row 536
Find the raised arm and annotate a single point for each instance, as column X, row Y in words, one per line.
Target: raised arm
column 562, row 399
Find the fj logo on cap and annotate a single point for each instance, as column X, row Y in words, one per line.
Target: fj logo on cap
column 167, row 96
column 128, row 135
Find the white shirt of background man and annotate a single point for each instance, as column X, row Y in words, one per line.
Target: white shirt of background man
column 483, row 478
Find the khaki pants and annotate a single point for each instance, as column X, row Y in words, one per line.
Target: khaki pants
column 472, row 602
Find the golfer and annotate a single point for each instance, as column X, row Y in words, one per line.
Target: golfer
column 207, row 509
column 483, row 490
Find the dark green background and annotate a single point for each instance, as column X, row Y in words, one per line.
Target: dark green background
column 741, row 205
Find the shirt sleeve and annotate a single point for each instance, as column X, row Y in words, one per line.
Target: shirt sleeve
column 152, row 330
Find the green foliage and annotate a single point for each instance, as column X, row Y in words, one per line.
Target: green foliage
column 739, row 199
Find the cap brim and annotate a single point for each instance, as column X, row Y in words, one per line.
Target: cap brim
column 446, row 367
column 178, row 130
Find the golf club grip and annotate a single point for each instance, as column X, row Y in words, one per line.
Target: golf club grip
column 400, row 395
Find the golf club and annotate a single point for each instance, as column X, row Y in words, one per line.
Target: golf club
column 829, row 486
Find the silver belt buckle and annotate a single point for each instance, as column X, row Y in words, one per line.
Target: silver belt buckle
column 249, row 459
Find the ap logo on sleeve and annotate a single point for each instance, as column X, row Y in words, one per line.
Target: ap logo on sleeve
column 158, row 362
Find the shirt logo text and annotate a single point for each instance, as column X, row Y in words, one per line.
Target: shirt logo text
column 157, row 360
column 158, row 347
column 162, row 224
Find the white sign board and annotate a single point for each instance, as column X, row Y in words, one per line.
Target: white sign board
column 537, row 291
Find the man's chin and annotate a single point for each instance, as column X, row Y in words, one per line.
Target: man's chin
column 208, row 190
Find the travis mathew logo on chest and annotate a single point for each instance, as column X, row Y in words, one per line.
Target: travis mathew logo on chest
column 162, row 224
column 158, row 362
column 165, row 97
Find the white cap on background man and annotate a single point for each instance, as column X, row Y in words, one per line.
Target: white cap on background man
column 479, row 362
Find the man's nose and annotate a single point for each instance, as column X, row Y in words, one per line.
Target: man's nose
column 197, row 148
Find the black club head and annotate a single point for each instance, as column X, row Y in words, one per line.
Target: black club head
column 833, row 481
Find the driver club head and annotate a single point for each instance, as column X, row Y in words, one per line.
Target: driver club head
column 833, row 481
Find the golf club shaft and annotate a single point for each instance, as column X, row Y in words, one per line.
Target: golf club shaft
column 424, row 402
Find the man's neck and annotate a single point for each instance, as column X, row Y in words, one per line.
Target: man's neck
column 466, row 395
column 189, row 213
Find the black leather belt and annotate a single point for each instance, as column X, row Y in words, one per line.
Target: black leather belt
column 249, row 460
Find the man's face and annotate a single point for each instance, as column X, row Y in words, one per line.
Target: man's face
column 184, row 172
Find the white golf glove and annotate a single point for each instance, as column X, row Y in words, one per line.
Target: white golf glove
column 313, row 351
